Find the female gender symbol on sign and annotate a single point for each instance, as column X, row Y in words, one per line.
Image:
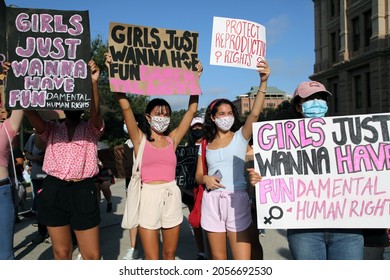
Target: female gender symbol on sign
column 270, row 212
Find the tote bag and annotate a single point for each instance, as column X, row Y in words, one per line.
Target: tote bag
column 131, row 214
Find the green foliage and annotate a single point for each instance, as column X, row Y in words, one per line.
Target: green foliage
column 110, row 110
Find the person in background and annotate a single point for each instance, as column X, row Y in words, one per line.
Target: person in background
column 68, row 199
column 225, row 206
column 103, row 181
column 35, row 152
column 9, row 128
column 160, row 205
column 196, row 135
column 310, row 100
column 17, row 181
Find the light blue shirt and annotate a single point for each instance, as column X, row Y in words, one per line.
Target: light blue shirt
column 230, row 161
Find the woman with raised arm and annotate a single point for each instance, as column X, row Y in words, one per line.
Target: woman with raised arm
column 225, row 206
column 160, row 203
column 68, row 200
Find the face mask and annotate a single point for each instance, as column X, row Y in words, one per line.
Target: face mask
column 316, row 108
column 224, row 123
column 125, row 129
column 160, row 124
column 73, row 115
column 197, row 134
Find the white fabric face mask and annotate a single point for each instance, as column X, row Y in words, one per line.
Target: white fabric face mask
column 159, row 124
column 224, row 123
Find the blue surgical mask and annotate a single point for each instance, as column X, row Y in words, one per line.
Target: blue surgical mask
column 316, row 108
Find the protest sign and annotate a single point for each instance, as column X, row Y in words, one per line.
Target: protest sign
column 186, row 167
column 330, row 172
column 153, row 61
column 49, row 52
column 237, row 43
column 118, row 159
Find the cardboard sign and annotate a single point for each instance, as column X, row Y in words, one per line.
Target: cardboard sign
column 49, row 51
column 118, row 159
column 328, row 172
column 187, row 157
column 237, row 43
column 153, row 61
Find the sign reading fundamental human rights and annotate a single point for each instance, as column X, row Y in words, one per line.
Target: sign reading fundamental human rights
column 237, row 43
column 330, row 172
column 153, row 61
column 49, row 52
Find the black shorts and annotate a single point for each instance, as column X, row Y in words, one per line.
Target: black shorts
column 63, row 203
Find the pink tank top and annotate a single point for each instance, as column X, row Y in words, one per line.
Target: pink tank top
column 158, row 164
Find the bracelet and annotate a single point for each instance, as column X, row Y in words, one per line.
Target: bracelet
column 263, row 91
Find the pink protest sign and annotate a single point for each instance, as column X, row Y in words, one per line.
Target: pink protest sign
column 330, row 172
column 153, row 61
column 237, row 43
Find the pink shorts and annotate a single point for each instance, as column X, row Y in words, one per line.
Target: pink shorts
column 225, row 211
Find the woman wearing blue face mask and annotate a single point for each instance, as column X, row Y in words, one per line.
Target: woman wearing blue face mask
column 310, row 100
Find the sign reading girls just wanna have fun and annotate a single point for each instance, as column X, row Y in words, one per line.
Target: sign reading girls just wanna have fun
column 330, row 172
column 153, row 61
column 48, row 51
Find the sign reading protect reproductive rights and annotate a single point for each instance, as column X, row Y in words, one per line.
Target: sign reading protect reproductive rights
column 237, row 43
column 49, row 51
column 153, row 61
column 330, row 172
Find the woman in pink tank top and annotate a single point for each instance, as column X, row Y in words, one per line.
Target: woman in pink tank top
column 160, row 203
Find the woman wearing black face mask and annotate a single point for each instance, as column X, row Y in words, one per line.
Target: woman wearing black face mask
column 196, row 131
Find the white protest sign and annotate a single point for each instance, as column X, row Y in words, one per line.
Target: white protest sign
column 331, row 172
column 237, row 43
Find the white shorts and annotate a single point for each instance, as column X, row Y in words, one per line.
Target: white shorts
column 160, row 206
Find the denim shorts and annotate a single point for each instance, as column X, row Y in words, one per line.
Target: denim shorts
column 71, row 203
column 225, row 211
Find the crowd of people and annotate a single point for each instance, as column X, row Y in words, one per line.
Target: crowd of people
column 66, row 188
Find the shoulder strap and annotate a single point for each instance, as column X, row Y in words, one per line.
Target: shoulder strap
column 137, row 162
column 203, row 146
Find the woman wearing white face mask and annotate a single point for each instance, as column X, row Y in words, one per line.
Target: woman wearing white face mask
column 160, row 203
column 225, row 207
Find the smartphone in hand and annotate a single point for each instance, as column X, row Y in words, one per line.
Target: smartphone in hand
column 218, row 174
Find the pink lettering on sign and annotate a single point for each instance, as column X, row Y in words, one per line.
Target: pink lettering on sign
column 166, row 80
column 159, row 81
column 46, row 23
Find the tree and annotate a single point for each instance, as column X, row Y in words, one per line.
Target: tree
column 110, row 110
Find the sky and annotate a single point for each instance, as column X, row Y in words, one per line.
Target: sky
column 289, row 34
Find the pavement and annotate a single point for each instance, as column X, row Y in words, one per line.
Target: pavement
column 114, row 241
